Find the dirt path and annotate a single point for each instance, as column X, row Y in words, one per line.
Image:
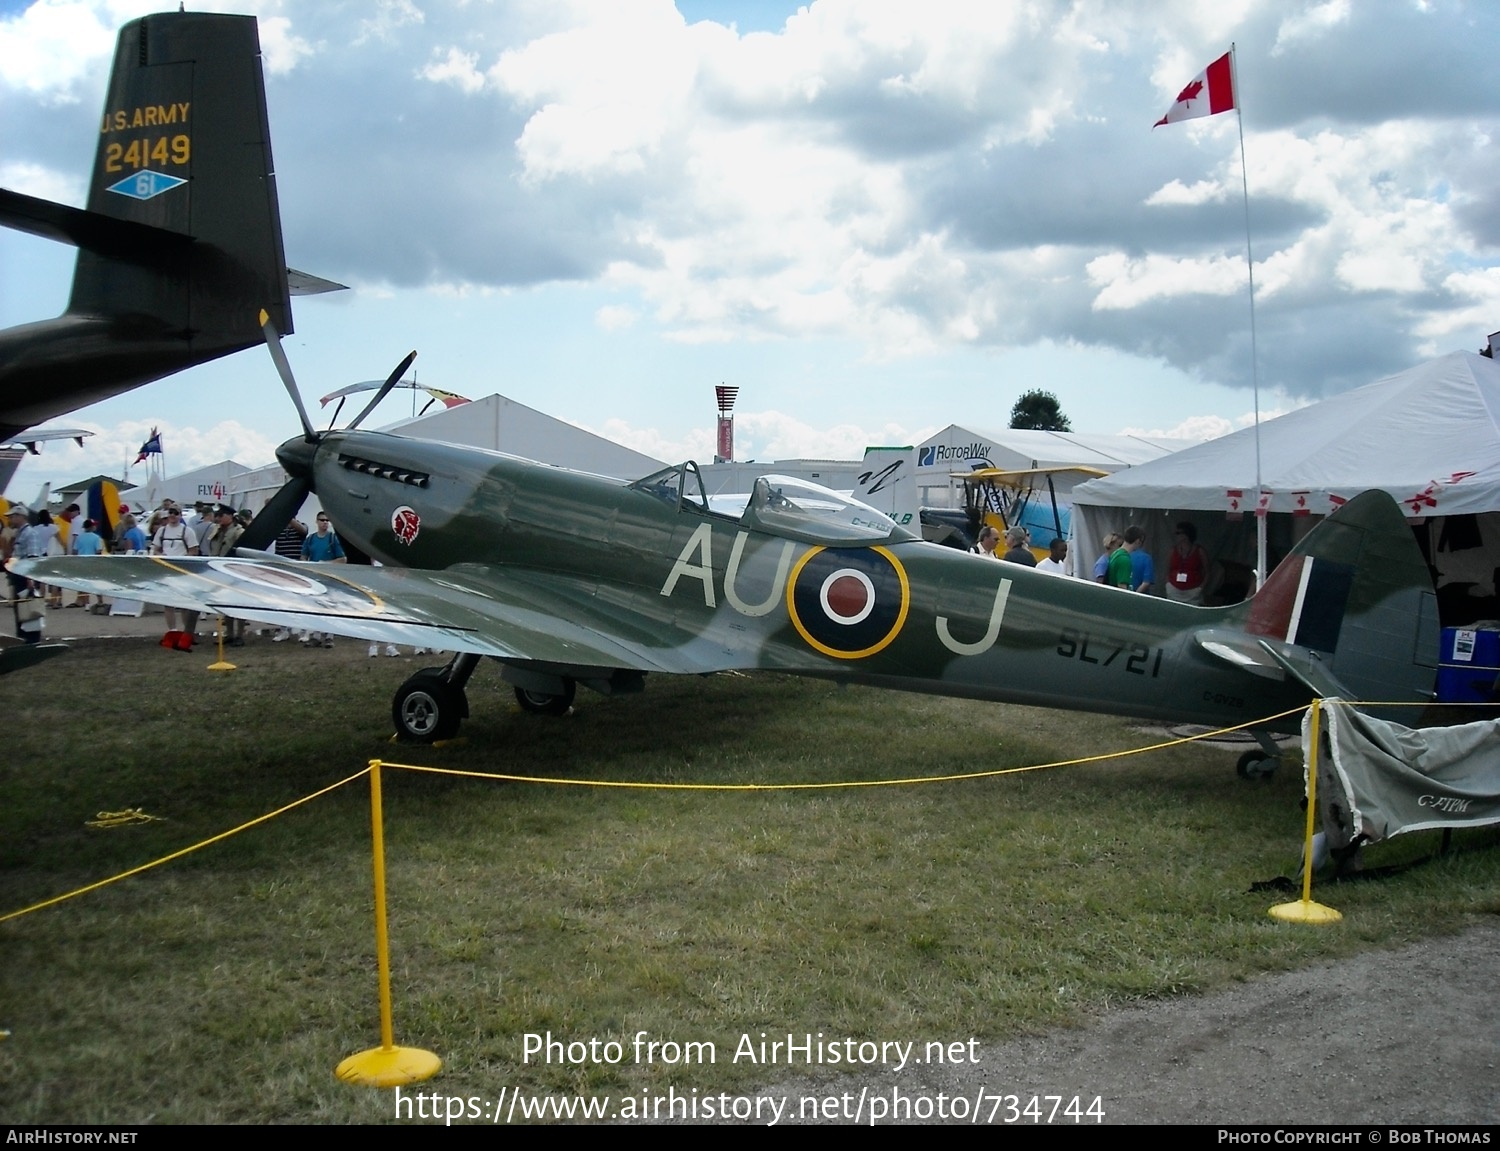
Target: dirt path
column 1408, row 1036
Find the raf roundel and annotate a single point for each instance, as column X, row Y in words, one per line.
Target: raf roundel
column 406, row 524
column 848, row 602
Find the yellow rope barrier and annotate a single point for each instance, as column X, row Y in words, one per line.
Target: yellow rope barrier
column 116, row 818
column 967, row 775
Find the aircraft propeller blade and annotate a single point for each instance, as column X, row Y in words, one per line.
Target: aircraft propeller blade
column 284, row 369
column 385, row 389
column 277, row 513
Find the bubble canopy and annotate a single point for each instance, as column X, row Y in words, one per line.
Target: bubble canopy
column 780, row 505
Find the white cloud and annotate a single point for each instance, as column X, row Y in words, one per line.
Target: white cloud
column 616, row 317
column 458, row 68
column 35, row 180
column 773, row 435
column 1127, row 283
column 280, row 47
column 1313, row 23
column 1473, row 317
column 52, row 45
column 1201, row 192
column 389, row 16
column 1195, row 428
column 697, row 445
column 609, row 89
column 1203, row 427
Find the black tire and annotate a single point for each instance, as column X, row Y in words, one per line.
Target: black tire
column 539, row 703
column 1256, row 765
column 426, row 709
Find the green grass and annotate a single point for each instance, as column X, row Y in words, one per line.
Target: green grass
column 226, row 986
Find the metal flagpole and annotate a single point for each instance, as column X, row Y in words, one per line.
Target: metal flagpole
column 1260, row 512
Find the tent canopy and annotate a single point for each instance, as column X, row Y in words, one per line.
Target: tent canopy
column 1428, row 436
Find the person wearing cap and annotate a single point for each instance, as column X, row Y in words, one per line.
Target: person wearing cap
column 28, row 541
column 17, row 519
column 221, row 540
column 175, row 538
column 1016, row 551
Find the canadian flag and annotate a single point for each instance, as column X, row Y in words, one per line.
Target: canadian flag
column 1211, row 92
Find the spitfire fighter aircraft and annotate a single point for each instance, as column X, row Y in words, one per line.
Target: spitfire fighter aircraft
column 570, row 579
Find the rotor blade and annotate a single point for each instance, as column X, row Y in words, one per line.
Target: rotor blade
column 385, row 390
column 284, row 369
column 277, row 513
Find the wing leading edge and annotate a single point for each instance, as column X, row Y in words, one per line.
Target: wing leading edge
column 509, row 614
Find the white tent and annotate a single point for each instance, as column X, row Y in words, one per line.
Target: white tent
column 1428, row 436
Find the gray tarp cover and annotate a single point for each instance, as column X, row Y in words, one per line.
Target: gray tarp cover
column 1379, row 779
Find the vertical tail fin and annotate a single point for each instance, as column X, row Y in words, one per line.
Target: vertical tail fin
column 888, row 482
column 180, row 245
column 185, row 146
column 1351, row 611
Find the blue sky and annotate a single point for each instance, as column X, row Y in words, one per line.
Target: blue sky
column 876, row 219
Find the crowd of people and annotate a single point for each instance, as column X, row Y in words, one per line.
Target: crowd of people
column 1124, row 562
column 207, row 529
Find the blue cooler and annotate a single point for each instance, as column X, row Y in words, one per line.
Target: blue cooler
column 1468, row 664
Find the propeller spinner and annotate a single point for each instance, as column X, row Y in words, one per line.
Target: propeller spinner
column 297, row 455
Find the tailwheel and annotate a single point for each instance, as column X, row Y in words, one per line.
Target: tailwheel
column 541, row 703
column 428, row 708
column 1257, row 765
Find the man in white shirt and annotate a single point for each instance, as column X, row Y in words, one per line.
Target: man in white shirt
column 175, row 538
column 1056, row 562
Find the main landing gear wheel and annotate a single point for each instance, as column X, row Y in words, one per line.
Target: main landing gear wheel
column 1256, row 765
column 427, row 708
column 540, row 703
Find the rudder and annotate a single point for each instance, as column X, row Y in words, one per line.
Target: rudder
column 1354, row 605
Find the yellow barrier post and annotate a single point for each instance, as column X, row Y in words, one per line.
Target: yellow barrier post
column 386, row 1065
column 1305, row 910
column 223, row 664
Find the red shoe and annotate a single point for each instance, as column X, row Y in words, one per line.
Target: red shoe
column 169, row 640
column 184, row 641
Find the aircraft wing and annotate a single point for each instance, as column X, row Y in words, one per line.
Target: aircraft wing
column 514, row 614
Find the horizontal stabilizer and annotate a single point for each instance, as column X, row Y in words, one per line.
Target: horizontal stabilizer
column 107, row 236
column 306, row 284
column 1308, row 668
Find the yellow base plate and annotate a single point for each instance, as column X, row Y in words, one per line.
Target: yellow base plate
column 389, row 1067
column 1304, row 911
